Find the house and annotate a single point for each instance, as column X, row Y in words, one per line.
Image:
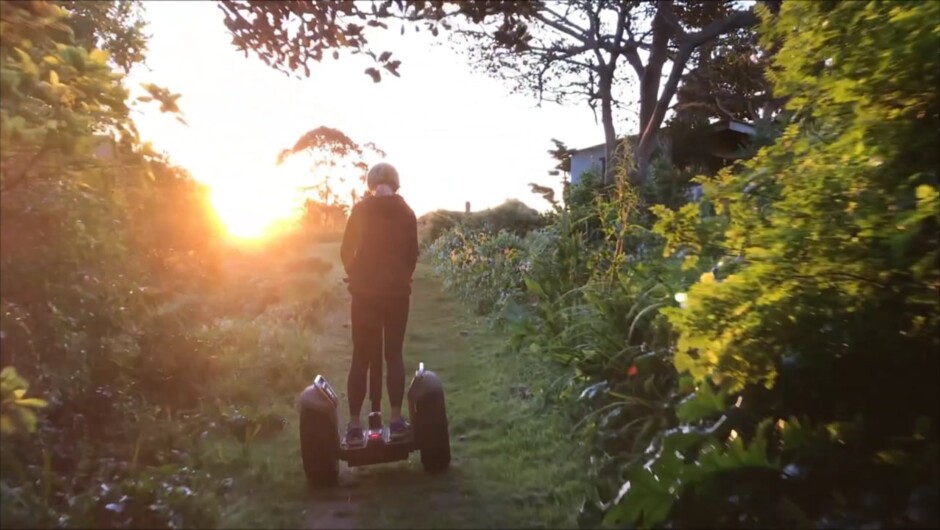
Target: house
column 712, row 150
column 588, row 159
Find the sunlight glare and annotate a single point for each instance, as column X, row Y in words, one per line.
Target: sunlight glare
column 253, row 212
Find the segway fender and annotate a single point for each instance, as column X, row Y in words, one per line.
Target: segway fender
column 319, row 397
column 429, row 414
column 319, row 437
column 424, row 384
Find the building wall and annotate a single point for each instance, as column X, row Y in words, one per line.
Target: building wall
column 712, row 149
column 586, row 159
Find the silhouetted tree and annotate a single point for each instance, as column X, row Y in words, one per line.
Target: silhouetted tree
column 334, row 157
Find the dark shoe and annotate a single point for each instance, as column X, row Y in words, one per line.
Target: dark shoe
column 398, row 429
column 375, row 421
column 354, row 436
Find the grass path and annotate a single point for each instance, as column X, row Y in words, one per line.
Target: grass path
column 514, row 462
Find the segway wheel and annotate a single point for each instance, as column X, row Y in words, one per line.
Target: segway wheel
column 319, row 443
column 431, row 432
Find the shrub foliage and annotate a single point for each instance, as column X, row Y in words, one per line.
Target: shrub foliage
column 767, row 356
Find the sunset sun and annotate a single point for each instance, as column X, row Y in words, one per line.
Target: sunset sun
column 262, row 200
column 251, row 212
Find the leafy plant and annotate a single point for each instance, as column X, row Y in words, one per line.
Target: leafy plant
column 17, row 413
column 823, row 334
column 585, row 291
column 120, row 301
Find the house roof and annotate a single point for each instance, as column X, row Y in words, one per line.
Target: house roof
column 731, row 125
column 592, row 148
column 723, row 125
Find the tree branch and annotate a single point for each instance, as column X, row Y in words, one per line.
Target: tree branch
column 562, row 52
column 576, row 63
column 577, row 33
column 633, row 57
column 595, row 28
column 630, row 45
column 723, row 110
column 621, row 27
column 736, row 20
column 669, row 17
column 659, row 111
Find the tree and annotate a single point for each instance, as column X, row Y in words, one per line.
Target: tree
column 323, row 217
column 577, row 51
column 114, row 26
column 674, row 28
column 574, row 50
column 335, row 160
column 562, row 154
column 561, row 52
column 545, row 192
column 728, row 82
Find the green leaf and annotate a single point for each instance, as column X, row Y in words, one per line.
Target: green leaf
column 533, row 286
column 704, row 403
column 32, row 403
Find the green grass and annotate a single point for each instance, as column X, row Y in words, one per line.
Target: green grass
column 515, row 462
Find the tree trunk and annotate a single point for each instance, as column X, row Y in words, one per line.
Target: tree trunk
column 607, row 118
column 653, row 105
column 649, row 97
column 644, row 157
column 652, row 74
column 644, row 152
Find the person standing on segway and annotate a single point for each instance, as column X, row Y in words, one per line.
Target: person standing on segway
column 379, row 253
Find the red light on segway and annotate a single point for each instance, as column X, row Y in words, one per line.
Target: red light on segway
column 375, row 435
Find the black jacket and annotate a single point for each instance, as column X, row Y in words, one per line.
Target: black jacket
column 380, row 246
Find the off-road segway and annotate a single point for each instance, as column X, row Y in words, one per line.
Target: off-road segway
column 322, row 449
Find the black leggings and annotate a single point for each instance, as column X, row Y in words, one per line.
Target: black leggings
column 377, row 319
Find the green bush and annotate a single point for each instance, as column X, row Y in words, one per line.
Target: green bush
column 483, row 269
column 118, row 301
column 809, row 368
column 512, row 216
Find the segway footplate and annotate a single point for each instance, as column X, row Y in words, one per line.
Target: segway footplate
column 378, row 447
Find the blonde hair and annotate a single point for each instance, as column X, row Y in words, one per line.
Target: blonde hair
column 382, row 173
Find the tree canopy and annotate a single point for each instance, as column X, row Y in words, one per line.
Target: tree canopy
column 335, row 160
column 553, row 50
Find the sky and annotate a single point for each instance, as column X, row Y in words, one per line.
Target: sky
column 454, row 135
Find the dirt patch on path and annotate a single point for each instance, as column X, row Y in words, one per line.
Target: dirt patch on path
column 337, row 512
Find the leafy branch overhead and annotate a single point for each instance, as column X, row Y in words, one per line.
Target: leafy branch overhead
column 114, row 26
column 166, row 98
column 291, row 36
